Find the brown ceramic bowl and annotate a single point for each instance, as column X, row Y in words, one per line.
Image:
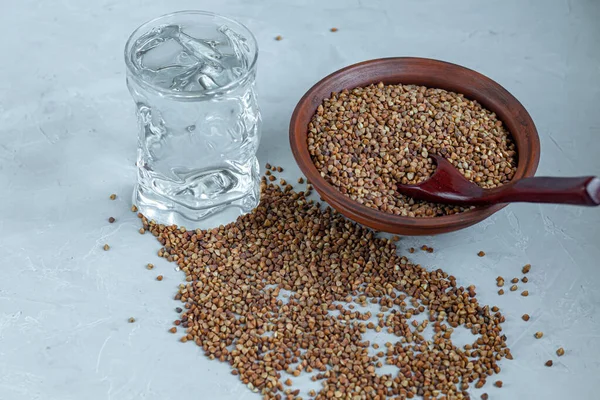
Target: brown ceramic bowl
column 418, row 71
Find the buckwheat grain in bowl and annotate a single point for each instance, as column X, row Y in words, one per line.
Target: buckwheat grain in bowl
column 365, row 141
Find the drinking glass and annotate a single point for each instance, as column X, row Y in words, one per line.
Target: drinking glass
column 191, row 75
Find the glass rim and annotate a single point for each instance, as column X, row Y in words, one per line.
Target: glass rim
column 195, row 93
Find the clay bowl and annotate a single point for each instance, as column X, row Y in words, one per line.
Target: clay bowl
column 418, row 71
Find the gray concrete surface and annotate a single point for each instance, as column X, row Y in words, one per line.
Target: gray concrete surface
column 68, row 137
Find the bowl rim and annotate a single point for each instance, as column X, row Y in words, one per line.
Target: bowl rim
column 346, row 205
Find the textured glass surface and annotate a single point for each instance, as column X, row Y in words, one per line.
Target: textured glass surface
column 191, row 76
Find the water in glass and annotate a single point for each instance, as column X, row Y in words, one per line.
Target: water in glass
column 191, row 76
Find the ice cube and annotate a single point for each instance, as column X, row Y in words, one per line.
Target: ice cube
column 185, row 80
column 238, row 43
column 207, row 82
column 152, row 39
column 201, row 49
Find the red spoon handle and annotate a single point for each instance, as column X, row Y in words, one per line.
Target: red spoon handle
column 582, row 191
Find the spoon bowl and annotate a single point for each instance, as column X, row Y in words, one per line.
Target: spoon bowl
column 448, row 185
column 445, row 185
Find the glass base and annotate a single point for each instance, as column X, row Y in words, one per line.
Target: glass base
column 165, row 211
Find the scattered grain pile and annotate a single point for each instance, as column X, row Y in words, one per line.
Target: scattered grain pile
column 234, row 310
column 367, row 140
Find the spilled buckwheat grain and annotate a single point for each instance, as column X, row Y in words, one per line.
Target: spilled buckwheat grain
column 365, row 141
column 236, row 276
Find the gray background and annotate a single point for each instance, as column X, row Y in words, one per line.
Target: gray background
column 68, row 138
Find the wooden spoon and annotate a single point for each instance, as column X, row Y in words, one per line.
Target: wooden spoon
column 447, row 185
